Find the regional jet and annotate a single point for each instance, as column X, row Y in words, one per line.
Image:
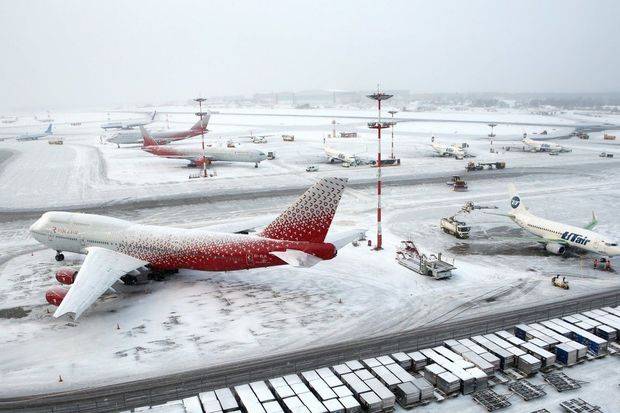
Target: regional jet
column 557, row 237
column 129, row 124
column 337, row 156
column 197, row 157
column 538, row 146
column 35, row 136
column 115, row 248
column 161, row 138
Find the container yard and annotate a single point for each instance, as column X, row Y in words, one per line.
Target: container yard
column 485, row 368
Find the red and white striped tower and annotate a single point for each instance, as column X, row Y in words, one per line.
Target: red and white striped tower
column 378, row 125
column 202, row 134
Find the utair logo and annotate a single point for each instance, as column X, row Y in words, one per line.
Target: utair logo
column 576, row 238
column 515, row 201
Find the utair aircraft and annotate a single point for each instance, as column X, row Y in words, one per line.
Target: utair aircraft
column 556, row 236
column 455, row 150
column 35, row 136
column 538, row 146
column 129, row 124
column 115, row 249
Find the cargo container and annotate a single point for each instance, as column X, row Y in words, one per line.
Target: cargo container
column 403, row 360
column 371, row 362
column 582, row 350
column 426, row 389
column 210, row 403
column 227, row 399
column 596, row 345
column 312, row 403
column 292, row 379
column 557, row 328
column 480, row 362
column 273, row 407
column 546, row 358
column 370, row 402
column 448, row 382
column 342, row 391
column 539, row 343
column 386, row 376
column 354, row 383
column 192, row 405
column 511, row 338
column 364, row 374
column 334, row 406
column 611, row 310
column 418, row 360
column 385, row 360
column 481, row 380
column 262, row 392
column 300, row 388
column 472, row 346
column 354, row 365
column 309, row 375
column 387, row 397
column 407, row 395
column 350, row 404
column 506, row 359
column 321, row 389
column 566, row 354
column 447, row 353
column 491, row 358
column 401, row 374
column 294, row 405
column 341, row 369
column 248, row 399
column 431, row 371
column 528, row 364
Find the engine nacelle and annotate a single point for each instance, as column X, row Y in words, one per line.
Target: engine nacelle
column 555, row 248
column 66, row 275
column 55, row 295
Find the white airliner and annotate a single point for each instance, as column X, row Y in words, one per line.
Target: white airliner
column 455, row 150
column 129, row 124
column 538, row 146
column 336, row 156
column 556, row 236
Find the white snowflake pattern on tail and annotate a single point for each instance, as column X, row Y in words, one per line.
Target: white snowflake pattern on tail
column 308, row 218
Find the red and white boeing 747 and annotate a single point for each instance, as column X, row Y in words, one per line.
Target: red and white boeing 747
column 115, row 247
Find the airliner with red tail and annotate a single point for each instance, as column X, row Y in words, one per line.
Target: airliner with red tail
column 115, row 248
column 197, row 157
column 161, row 138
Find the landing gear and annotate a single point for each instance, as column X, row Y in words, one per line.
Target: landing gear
column 256, row 165
column 59, row 256
column 128, row 279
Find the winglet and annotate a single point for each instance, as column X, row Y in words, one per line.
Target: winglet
column 592, row 223
column 146, row 138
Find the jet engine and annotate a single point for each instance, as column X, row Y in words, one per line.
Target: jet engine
column 555, row 248
column 198, row 163
column 66, row 275
column 55, row 295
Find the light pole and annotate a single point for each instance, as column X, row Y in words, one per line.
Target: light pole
column 492, row 125
column 378, row 125
column 202, row 134
column 392, row 112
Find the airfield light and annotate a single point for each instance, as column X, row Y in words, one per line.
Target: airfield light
column 202, row 135
column 378, row 125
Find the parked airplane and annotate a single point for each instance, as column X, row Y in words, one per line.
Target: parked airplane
column 9, row 119
column 538, row 146
column 35, row 136
column 48, row 119
column 195, row 155
column 162, row 138
column 556, row 236
column 115, row 247
column 455, row 150
column 129, row 124
column 337, row 156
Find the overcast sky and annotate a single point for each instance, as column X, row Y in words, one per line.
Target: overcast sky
column 76, row 53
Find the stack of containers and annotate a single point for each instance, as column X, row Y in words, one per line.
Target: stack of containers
column 248, row 399
column 418, row 360
column 482, row 352
column 386, row 396
column 354, row 365
column 612, row 311
column 210, row 403
column 403, row 360
column 272, row 407
column 566, row 354
column 528, row 364
column 448, row 382
column 581, row 350
column 318, row 385
column 407, row 395
column 506, row 358
column 431, row 371
column 192, row 405
column 596, row 345
column 281, row 388
column 262, row 392
column 512, row 339
column 610, row 324
column 467, row 381
column 294, row 405
column 546, row 358
column 350, row 404
column 370, row 402
column 227, row 400
column 345, row 396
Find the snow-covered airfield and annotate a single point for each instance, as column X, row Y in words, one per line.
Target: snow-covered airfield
column 198, row 319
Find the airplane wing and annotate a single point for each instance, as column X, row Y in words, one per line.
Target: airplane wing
column 240, row 226
column 101, row 269
column 592, row 223
column 534, row 238
column 344, row 238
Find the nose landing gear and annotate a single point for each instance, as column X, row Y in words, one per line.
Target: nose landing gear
column 59, row 256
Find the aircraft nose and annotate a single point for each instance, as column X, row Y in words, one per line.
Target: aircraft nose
column 36, row 226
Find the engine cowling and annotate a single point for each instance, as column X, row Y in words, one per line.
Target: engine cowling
column 66, row 275
column 55, row 295
column 555, row 248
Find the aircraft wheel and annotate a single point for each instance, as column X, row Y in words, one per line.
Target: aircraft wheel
column 256, row 165
column 60, row 257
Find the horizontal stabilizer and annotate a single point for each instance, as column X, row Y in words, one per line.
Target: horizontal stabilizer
column 297, row 258
column 344, row 238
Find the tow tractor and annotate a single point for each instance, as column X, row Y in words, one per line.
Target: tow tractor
column 458, row 184
column 560, row 283
column 409, row 257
